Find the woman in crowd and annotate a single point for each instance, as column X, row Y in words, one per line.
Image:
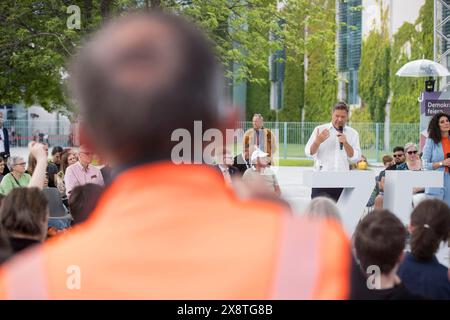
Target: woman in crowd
column 17, row 177
column 68, row 158
column 436, row 154
column 420, row 271
column 413, row 161
column 24, row 217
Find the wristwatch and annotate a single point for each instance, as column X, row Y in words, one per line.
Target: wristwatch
column 440, row 164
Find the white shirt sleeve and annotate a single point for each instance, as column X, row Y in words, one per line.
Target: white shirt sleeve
column 356, row 148
column 310, row 142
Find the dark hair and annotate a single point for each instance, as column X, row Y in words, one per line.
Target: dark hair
column 5, row 247
column 191, row 87
column 387, row 158
column 57, row 149
column 398, row 148
column 83, row 200
column 32, row 162
column 430, row 222
column 380, row 240
column 25, row 211
column 434, row 133
column 65, row 160
column 341, row 105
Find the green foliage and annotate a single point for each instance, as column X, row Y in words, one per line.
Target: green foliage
column 321, row 85
column 35, row 42
column 360, row 115
column 374, row 70
column 410, row 42
column 319, row 93
column 293, row 90
column 258, row 95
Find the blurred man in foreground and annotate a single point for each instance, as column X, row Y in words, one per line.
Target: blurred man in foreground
column 165, row 231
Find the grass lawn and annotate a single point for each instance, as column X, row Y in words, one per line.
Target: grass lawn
column 296, row 163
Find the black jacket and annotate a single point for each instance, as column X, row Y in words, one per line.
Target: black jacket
column 240, row 163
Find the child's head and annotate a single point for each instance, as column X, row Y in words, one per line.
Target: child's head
column 380, row 240
column 387, row 161
column 430, row 225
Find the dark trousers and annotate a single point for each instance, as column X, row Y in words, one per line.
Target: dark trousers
column 333, row 193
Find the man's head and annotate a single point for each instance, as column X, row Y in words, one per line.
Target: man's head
column 56, row 155
column 260, row 158
column 258, row 121
column 85, row 156
column 379, row 241
column 146, row 75
column 399, row 155
column 339, row 115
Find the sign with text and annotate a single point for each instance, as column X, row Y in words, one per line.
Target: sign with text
column 433, row 107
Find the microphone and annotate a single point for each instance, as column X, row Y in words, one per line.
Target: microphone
column 341, row 129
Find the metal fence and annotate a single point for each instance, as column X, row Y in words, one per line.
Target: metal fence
column 293, row 136
column 61, row 133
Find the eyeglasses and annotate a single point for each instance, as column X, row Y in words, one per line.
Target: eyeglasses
column 20, row 164
column 87, row 153
column 412, row 152
column 398, row 155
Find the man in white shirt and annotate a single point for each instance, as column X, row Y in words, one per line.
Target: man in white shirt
column 333, row 146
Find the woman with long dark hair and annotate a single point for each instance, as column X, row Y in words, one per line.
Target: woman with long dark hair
column 436, row 154
column 421, row 271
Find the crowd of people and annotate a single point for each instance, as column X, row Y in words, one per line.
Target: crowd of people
column 166, row 231
column 40, row 199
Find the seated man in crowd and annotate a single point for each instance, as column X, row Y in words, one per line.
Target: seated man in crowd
column 261, row 169
column 82, row 172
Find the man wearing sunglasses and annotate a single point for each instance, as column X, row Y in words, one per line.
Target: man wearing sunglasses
column 82, row 172
column 399, row 157
column 399, row 160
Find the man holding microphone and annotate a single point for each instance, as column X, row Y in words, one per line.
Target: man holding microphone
column 333, row 146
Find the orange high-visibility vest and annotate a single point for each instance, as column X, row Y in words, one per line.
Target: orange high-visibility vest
column 162, row 231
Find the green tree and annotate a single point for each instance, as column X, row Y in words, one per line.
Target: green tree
column 411, row 42
column 35, row 42
column 374, row 72
column 321, row 84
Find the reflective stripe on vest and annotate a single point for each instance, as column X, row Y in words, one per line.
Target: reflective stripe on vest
column 24, row 277
column 298, row 264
